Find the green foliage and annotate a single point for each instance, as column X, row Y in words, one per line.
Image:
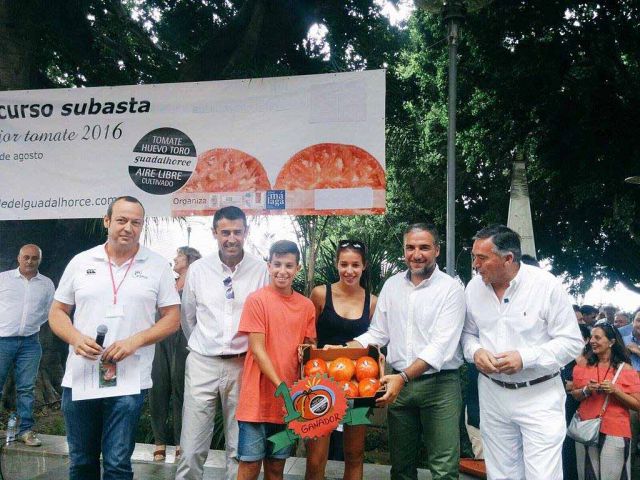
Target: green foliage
column 555, row 83
column 144, row 432
column 384, row 249
column 56, row 426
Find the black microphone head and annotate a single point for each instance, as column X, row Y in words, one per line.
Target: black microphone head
column 102, row 329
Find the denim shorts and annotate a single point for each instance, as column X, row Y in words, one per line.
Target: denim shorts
column 253, row 444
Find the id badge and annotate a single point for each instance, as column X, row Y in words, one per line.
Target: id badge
column 114, row 311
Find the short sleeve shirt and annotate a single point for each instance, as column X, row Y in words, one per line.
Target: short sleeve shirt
column 285, row 321
column 86, row 283
column 616, row 420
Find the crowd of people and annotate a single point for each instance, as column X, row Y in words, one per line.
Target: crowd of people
column 226, row 332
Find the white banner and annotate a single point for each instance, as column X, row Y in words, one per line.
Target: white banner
column 297, row 145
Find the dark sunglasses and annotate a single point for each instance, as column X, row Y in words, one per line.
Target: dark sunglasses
column 357, row 244
column 227, row 282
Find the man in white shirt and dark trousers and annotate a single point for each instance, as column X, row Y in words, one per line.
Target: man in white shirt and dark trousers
column 419, row 316
column 212, row 300
column 520, row 331
column 121, row 285
column 25, row 298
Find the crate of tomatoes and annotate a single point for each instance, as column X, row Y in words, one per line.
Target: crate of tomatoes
column 357, row 370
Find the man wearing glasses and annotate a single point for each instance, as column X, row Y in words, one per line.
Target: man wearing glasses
column 520, row 331
column 212, row 301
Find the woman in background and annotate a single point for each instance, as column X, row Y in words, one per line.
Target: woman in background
column 343, row 311
column 167, row 373
column 594, row 378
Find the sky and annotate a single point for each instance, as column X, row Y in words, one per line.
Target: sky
column 169, row 235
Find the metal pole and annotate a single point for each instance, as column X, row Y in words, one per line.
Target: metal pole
column 451, row 145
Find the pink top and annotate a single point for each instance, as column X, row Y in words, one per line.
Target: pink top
column 615, row 420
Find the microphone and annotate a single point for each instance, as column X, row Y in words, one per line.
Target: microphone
column 102, row 331
column 506, row 300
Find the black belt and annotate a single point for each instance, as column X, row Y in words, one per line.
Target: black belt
column 515, row 386
column 427, row 375
column 235, row 355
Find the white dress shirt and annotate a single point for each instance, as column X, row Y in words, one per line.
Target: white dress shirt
column 24, row 304
column 147, row 286
column 419, row 321
column 209, row 319
column 535, row 318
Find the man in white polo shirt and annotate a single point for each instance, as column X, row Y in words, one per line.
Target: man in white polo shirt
column 122, row 285
column 520, row 330
column 212, row 301
column 25, row 298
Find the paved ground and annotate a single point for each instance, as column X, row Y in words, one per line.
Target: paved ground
column 50, row 462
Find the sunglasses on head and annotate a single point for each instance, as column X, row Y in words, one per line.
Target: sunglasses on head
column 229, row 295
column 357, row 244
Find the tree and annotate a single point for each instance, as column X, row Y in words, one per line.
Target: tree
column 114, row 42
column 555, row 82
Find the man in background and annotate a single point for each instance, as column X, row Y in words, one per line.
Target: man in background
column 25, row 298
column 589, row 314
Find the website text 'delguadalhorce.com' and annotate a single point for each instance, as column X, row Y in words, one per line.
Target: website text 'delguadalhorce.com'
column 57, row 202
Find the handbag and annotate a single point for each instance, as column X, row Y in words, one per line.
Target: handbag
column 588, row 431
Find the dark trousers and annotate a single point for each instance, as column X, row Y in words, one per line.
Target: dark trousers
column 101, row 425
column 167, row 393
column 569, row 460
column 427, row 411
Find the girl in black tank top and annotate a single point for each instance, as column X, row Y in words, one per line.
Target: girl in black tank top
column 335, row 329
column 332, row 329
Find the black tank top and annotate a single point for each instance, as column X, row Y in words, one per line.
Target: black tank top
column 332, row 329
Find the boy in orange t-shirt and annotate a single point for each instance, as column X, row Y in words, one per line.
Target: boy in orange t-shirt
column 277, row 320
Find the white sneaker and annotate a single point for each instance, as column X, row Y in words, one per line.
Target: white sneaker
column 29, row 438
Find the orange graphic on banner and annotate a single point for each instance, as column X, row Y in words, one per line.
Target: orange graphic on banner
column 321, row 403
column 326, row 166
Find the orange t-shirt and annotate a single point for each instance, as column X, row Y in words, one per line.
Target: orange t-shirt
column 285, row 321
column 615, row 420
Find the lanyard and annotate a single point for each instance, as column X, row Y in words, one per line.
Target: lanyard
column 113, row 281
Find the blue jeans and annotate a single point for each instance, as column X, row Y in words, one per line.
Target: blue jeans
column 253, row 444
column 24, row 354
column 106, row 425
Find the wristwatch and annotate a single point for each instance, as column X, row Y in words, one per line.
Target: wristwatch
column 404, row 376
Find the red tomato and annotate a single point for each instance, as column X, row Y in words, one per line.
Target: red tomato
column 368, row 387
column 315, row 366
column 342, row 369
column 366, row 367
column 350, row 389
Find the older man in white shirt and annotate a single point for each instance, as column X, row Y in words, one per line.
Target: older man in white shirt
column 520, row 331
column 25, row 298
column 419, row 315
column 212, row 301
